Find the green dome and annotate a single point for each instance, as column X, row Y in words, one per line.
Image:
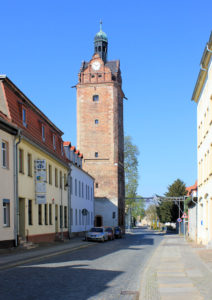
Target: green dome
column 101, row 35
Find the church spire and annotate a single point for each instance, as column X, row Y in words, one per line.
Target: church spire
column 101, row 43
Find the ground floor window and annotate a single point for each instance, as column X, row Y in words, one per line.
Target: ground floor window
column 30, row 212
column 46, row 214
column 50, row 214
column 75, row 216
column 61, row 216
column 6, row 212
column 39, row 214
column 65, row 216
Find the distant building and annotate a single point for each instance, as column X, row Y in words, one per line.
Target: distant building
column 81, row 195
column 100, row 135
column 202, row 95
column 192, row 211
column 8, row 135
column 42, row 194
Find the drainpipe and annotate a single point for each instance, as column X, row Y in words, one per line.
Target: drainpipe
column 16, row 202
column 69, row 202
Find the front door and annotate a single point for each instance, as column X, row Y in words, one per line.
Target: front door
column 98, row 221
column 22, row 218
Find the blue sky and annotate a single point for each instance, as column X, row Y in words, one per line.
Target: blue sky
column 159, row 44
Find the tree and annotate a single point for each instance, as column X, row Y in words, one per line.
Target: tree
column 168, row 211
column 131, row 152
column 151, row 214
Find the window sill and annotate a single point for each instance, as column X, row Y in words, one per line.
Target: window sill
column 6, row 226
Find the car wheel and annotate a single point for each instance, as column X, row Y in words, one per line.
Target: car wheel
column 103, row 240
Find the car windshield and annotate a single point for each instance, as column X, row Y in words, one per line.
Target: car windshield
column 96, row 229
column 108, row 229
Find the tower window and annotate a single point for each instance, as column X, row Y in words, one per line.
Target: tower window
column 96, row 121
column 97, row 185
column 104, row 49
column 99, row 48
column 96, row 154
column 96, row 98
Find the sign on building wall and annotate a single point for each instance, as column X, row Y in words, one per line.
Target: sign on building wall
column 40, row 181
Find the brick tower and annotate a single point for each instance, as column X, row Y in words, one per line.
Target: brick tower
column 100, row 134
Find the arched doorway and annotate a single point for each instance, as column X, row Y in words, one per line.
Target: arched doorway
column 98, row 221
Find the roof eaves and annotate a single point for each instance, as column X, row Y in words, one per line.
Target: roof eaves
column 10, row 83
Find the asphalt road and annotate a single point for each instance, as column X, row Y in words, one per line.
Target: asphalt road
column 110, row 270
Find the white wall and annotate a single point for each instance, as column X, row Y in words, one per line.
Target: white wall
column 80, row 202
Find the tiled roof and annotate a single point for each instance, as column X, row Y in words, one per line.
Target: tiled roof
column 191, row 188
column 35, row 119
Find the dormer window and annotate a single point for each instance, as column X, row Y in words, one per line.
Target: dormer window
column 54, row 142
column 43, row 133
column 24, row 117
column 96, row 98
column 62, row 148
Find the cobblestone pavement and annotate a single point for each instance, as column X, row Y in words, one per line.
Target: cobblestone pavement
column 177, row 270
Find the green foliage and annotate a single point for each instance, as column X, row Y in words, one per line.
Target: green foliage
column 130, row 167
column 168, row 211
column 131, row 153
column 137, row 208
column 151, row 213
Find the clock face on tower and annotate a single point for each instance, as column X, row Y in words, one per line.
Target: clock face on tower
column 96, row 65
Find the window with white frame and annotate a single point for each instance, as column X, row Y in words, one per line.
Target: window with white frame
column 82, row 190
column 71, row 187
column 75, row 216
column 79, row 189
column 75, row 187
column 43, row 133
column 24, row 117
column 54, row 142
column 6, row 212
column 80, row 216
column 5, row 154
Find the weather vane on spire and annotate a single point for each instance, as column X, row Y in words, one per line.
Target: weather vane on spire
column 100, row 24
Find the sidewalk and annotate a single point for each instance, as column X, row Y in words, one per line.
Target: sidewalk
column 178, row 271
column 16, row 256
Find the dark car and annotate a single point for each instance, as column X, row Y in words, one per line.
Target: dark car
column 110, row 232
column 118, row 232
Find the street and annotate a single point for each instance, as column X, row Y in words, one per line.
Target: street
column 110, row 270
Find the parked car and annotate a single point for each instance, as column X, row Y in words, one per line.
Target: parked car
column 110, row 232
column 118, row 232
column 97, row 234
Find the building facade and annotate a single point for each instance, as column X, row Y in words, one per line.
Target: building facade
column 81, row 195
column 42, row 192
column 8, row 134
column 202, row 95
column 100, row 134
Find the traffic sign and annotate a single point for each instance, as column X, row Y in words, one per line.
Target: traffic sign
column 184, row 215
column 179, row 220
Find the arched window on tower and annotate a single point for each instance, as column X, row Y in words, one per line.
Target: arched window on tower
column 99, row 48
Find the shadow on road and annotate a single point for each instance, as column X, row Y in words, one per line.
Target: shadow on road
column 73, row 275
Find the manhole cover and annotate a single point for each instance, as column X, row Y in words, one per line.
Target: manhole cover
column 130, row 293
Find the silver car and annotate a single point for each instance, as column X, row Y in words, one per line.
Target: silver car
column 97, row 234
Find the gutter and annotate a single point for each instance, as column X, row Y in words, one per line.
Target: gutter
column 16, row 210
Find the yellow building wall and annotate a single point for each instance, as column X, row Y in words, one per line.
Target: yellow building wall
column 204, row 152
column 54, row 195
column 7, row 187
